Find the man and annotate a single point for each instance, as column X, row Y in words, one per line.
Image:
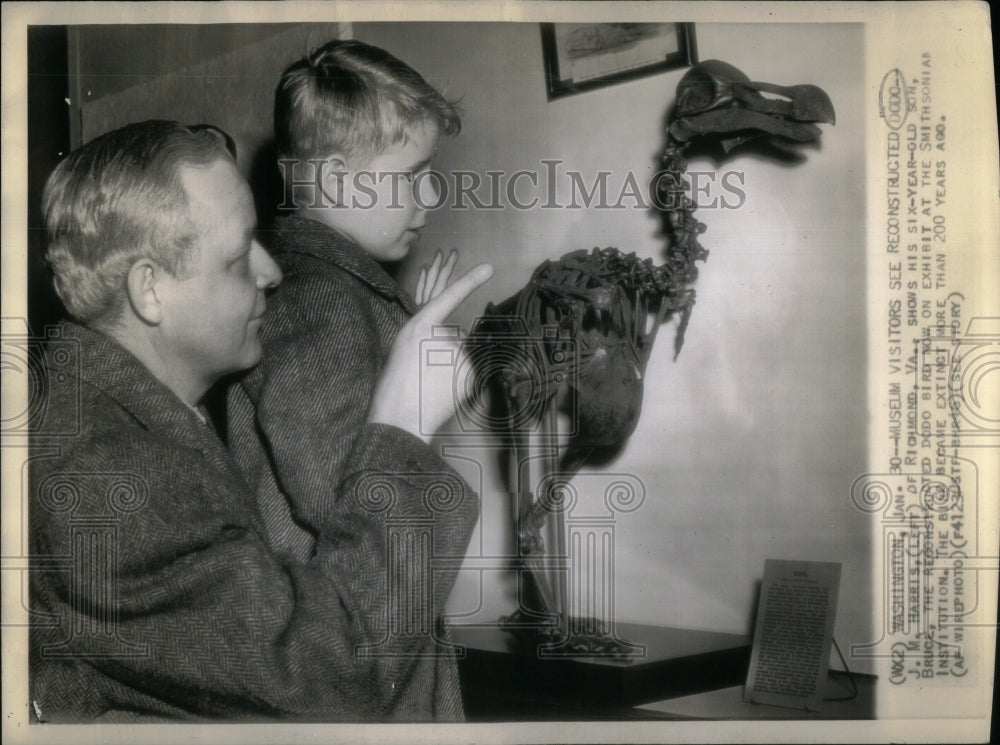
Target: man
column 155, row 593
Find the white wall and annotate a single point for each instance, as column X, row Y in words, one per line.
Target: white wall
column 749, row 442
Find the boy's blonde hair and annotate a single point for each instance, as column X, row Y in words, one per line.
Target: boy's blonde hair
column 354, row 99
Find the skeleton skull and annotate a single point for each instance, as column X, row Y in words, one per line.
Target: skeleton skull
column 707, row 86
column 714, row 97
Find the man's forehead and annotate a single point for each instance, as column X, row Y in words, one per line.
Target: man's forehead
column 218, row 183
column 220, row 207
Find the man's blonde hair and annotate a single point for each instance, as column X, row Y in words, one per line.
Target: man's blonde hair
column 118, row 199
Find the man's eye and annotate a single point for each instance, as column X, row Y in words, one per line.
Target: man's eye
column 242, row 265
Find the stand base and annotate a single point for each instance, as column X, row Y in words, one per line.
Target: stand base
column 583, row 640
column 504, row 679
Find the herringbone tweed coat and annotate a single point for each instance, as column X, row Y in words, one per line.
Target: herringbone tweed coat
column 295, row 420
column 155, row 592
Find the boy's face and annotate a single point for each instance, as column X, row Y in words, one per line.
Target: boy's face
column 382, row 210
column 214, row 310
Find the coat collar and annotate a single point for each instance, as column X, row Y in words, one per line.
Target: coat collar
column 116, row 372
column 295, row 234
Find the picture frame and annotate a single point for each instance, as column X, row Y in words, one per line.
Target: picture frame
column 580, row 57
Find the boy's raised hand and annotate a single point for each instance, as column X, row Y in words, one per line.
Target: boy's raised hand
column 433, row 279
column 411, row 394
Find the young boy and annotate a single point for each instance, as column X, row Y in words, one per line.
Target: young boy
column 355, row 129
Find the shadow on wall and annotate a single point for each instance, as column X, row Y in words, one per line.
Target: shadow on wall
column 267, row 187
column 48, row 144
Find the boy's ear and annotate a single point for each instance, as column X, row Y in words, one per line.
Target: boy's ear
column 144, row 285
column 333, row 178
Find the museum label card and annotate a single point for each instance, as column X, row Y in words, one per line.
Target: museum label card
column 791, row 642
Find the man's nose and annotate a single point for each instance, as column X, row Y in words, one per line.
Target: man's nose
column 266, row 271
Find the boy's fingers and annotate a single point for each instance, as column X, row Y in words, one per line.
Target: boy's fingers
column 434, row 269
column 421, row 281
column 433, row 273
column 452, row 261
column 438, row 309
column 444, row 275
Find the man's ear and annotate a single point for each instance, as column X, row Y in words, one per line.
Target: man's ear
column 144, row 285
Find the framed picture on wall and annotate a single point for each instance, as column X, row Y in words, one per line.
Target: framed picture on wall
column 583, row 56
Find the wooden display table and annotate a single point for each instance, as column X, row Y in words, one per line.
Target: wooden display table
column 503, row 680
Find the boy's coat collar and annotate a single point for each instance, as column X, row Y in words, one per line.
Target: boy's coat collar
column 316, row 239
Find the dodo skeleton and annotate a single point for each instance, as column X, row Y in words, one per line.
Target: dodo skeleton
column 577, row 338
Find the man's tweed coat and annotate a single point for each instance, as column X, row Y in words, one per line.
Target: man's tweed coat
column 295, row 419
column 154, row 590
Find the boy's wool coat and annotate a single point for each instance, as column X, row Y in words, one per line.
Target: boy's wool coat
column 295, row 419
